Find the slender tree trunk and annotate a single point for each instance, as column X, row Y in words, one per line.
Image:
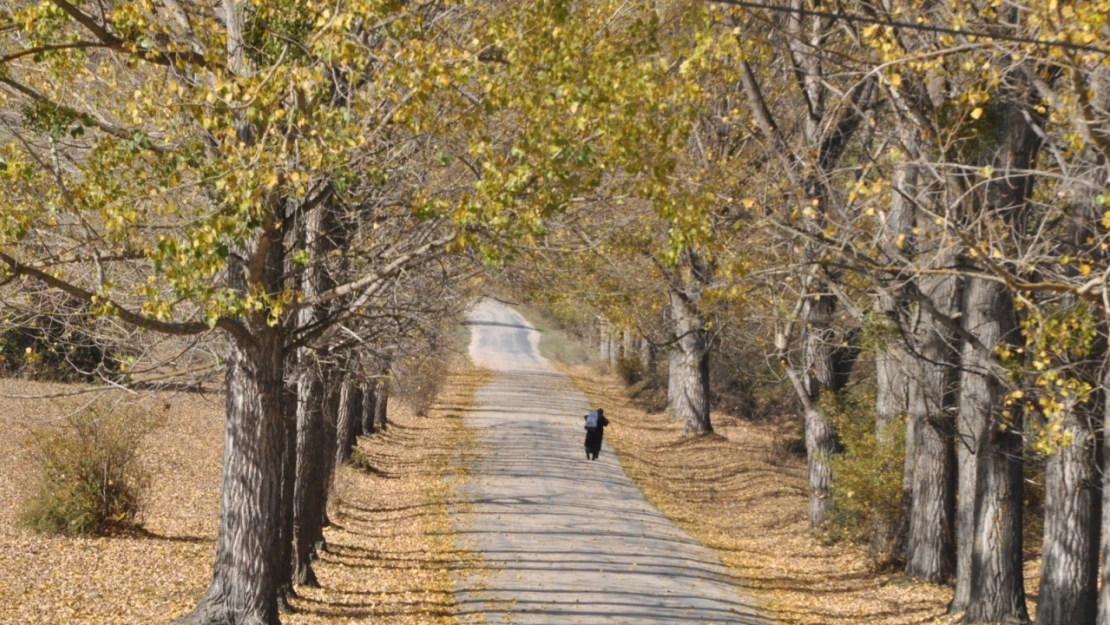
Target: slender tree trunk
column 381, row 406
column 369, row 407
column 891, row 399
column 284, row 552
column 690, row 370
column 647, row 358
column 244, row 586
column 603, row 341
column 821, row 439
column 350, row 413
column 307, row 517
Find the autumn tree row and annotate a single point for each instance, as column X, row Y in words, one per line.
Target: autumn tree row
column 907, row 196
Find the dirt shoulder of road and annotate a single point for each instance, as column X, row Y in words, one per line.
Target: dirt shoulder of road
column 737, row 493
column 391, row 548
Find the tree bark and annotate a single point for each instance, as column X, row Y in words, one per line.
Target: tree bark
column 997, row 591
column 1104, row 537
column 244, row 585
column 930, row 542
column 369, row 408
column 350, row 413
column 690, row 369
column 821, row 440
column 284, row 552
column 891, row 403
column 308, row 500
column 1069, row 566
column 381, row 405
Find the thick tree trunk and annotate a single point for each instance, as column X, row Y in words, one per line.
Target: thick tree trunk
column 1104, row 537
column 1069, row 566
column 930, row 543
column 244, row 586
column 690, row 370
column 997, row 591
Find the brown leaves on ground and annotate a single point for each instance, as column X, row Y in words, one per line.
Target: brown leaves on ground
column 391, row 548
column 137, row 578
column 736, row 493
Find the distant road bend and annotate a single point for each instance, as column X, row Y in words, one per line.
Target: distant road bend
column 565, row 540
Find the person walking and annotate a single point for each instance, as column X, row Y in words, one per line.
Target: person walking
column 595, row 431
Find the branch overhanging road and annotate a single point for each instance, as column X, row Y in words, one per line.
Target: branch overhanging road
column 564, row 540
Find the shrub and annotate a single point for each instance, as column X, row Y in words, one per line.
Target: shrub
column 630, row 369
column 867, row 473
column 417, row 380
column 91, row 481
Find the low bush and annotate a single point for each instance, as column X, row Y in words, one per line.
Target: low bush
column 867, row 473
column 630, row 369
column 91, row 481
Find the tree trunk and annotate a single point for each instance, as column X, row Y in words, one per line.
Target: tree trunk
column 1104, row 537
column 308, row 500
column 605, row 344
column 647, row 358
column 930, row 542
column 350, row 413
column 690, row 370
column 997, row 591
column 891, row 399
column 284, row 552
column 244, row 585
column 821, row 440
column 369, row 407
column 381, row 406
column 1069, row 567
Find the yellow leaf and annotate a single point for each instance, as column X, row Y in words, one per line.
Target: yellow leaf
column 977, row 113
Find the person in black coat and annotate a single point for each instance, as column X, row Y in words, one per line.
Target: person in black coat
column 595, row 434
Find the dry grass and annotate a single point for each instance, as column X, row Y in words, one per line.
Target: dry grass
column 391, row 549
column 740, row 497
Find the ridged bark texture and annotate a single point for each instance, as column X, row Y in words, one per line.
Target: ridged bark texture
column 1069, row 566
column 244, row 586
column 930, row 541
column 820, row 374
column 1104, row 539
column 691, row 386
column 997, row 590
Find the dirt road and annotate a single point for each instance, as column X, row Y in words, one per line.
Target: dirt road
column 566, row 540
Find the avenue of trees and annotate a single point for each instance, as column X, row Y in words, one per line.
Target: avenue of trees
column 912, row 197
